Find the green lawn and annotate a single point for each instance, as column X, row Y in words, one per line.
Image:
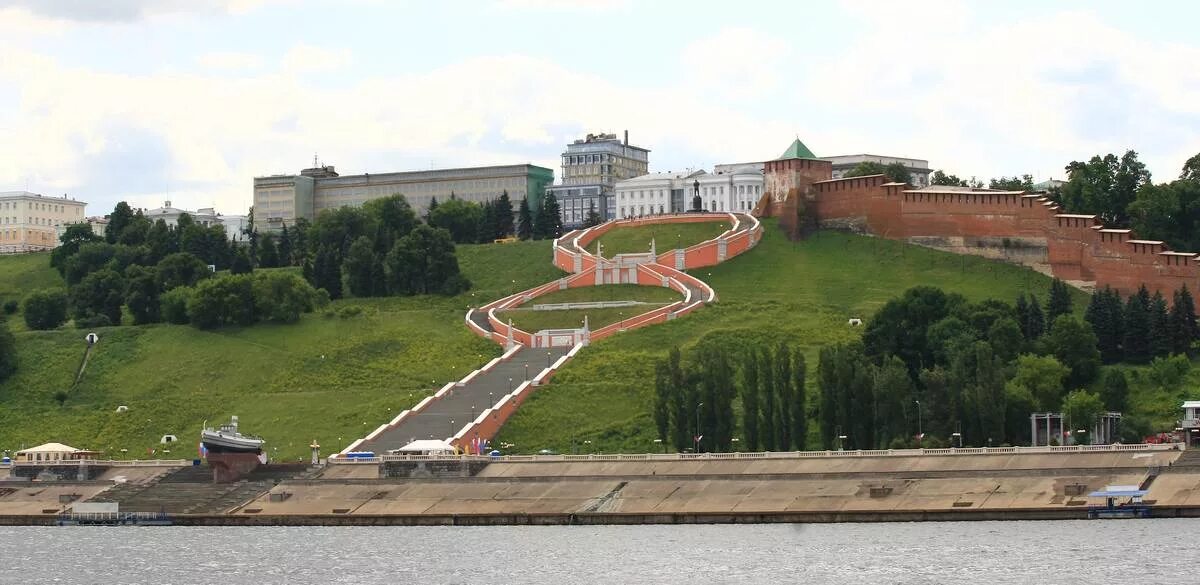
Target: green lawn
column 21, row 274
column 804, row 292
column 534, row 321
column 665, row 236
column 322, row 378
column 609, row 292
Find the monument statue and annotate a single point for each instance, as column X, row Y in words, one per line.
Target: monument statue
column 696, row 203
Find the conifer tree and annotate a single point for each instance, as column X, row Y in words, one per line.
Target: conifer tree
column 285, row 248
column 1184, row 330
column 524, row 221
column 433, row 204
column 1137, row 327
column 504, row 216
column 1059, row 302
column 549, row 218
column 1037, row 322
column 487, row 223
column 1160, row 327
column 1023, row 315
column 1106, row 316
column 750, row 401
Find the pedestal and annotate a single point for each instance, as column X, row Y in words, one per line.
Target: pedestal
column 230, row 467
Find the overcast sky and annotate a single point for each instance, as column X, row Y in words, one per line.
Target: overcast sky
column 188, row 100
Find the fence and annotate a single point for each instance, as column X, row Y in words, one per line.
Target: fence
column 1139, row 447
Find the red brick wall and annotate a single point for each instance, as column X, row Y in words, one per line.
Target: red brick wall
column 1077, row 247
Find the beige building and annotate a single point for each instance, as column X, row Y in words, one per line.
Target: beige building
column 281, row 199
column 30, row 222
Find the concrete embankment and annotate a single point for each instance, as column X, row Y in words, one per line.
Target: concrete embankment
column 606, row 490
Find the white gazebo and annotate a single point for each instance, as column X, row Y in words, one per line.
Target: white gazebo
column 52, row 453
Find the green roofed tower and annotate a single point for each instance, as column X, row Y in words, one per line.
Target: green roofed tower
column 796, row 150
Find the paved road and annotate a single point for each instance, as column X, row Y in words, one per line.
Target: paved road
column 442, row 418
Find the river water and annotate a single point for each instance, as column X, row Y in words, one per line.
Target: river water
column 1091, row 552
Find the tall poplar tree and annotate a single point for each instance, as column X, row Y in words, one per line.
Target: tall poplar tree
column 783, row 393
column 799, row 402
column 766, row 385
column 1137, row 327
column 750, row 402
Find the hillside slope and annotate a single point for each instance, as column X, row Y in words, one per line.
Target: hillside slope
column 323, row 378
column 804, row 292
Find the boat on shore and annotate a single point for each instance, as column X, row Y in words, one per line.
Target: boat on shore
column 227, row 439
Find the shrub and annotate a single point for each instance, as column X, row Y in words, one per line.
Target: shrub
column 217, row 301
column 282, row 296
column 10, row 306
column 173, row 305
column 45, row 309
column 181, row 269
column 349, row 311
column 1169, row 372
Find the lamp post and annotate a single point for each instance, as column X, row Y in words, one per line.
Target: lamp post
column 588, row 448
column 526, row 371
column 920, row 432
column 547, row 359
column 510, row 385
column 698, row 405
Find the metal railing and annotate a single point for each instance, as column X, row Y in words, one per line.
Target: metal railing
column 110, row 462
column 1138, row 447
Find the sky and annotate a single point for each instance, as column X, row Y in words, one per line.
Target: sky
column 188, row 100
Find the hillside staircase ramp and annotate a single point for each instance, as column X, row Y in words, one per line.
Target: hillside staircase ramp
column 443, row 417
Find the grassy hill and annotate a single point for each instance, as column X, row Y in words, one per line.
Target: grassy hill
column 804, row 292
column 665, row 236
column 323, row 378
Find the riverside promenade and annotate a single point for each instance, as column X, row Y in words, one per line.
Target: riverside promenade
column 1008, row 483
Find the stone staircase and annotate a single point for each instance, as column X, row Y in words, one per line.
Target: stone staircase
column 1188, row 462
column 191, row 490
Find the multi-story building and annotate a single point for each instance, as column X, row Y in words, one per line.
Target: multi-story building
column 205, row 216
column 917, row 169
column 591, row 168
column 730, row 187
column 30, row 222
column 280, row 199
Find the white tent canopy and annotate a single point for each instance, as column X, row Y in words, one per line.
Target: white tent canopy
column 50, row 448
column 427, row 447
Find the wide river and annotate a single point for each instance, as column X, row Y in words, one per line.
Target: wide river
column 1093, row 552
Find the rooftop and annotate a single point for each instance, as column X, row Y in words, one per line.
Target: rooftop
column 797, row 150
column 1146, row 242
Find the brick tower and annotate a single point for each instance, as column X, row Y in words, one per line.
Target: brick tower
column 788, row 186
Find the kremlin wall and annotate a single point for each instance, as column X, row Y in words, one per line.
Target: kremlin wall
column 1019, row 226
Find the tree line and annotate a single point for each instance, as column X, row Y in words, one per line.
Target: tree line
column 931, row 369
column 469, row 222
column 694, row 398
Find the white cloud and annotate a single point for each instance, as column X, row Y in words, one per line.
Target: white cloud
column 308, row 59
column 109, row 11
column 736, row 62
column 229, row 61
column 563, row 5
column 1026, row 96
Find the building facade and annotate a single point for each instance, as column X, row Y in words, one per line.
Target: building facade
column 591, row 168
column 918, row 169
column 730, row 187
column 282, row 199
column 30, row 222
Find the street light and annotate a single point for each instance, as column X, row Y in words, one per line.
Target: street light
column 588, row 442
column 510, row 385
column 698, row 405
column 920, row 432
column 547, row 359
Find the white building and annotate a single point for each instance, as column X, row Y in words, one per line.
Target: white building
column 30, row 222
column 730, row 187
column 205, row 216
